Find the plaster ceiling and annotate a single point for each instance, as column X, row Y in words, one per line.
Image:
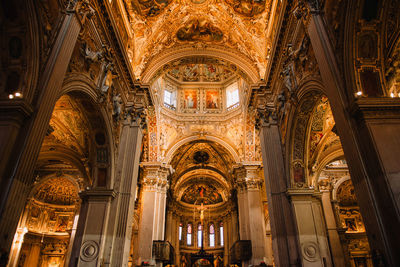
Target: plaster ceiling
column 239, row 25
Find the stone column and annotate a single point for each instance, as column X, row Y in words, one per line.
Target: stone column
column 251, row 215
column 369, row 137
column 283, row 231
column 311, row 228
column 227, row 238
column 334, row 239
column 20, row 157
column 121, row 218
column 152, row 223
column 90, row 234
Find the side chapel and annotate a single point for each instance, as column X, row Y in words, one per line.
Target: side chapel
column 199, row 133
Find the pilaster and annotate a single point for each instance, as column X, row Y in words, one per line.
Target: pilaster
column 127, row 170
column 152, row 223
column 283, row 231
column 17, row 176
column 370, row 144
column 314, row 244
column 251, row 215
column 90, row 235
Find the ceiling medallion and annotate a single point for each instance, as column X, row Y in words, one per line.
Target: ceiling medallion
column 199, row 30
column 247, row 7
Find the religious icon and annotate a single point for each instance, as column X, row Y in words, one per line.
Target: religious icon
column 190, row 99
column 212, row 99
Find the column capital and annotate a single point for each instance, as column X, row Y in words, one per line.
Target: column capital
column 135, row 116
column 155, row 176
column 266, row 116
column 248, row 177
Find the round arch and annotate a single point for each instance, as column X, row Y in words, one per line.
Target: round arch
column 80, row 84
column 168, row 55
column 169, row 155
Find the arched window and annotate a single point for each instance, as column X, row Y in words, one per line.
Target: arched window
column 180, row 231
column 221, row 232
column 189, row 235
column 199, row 235
column 212, row 235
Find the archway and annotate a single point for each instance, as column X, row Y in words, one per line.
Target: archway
column 74, row 157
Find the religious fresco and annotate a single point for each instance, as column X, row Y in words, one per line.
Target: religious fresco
column 200, row 69
column 199, row 30
column 212, row 99
column 150, row 8
column 247, row 7
column 190, row 99
column 191, row 73
column 211, row 73
column 201, row 193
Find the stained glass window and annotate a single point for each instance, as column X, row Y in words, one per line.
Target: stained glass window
column 221, row 232
column 199, row 235
column 189, row 235
column 212, row 235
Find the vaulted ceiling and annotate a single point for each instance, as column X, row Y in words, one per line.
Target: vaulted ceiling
column 239, row 25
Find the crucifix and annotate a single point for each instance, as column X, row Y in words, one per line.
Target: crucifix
column 202, row 209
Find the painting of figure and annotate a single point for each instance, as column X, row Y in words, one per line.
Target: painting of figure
column 212, row 97
column 199, row 30
column 210, row 73
column 150, row 8
column 190, row 99
column 191, row 73
column 247, row 7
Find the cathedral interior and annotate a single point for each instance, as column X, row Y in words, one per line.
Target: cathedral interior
column 199, row 133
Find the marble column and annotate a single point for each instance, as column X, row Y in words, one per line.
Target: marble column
column 368, row 130
column 121, row 218
column 152, row 223
column 312, row 237
column 331, row 226
column 91, row 230
column 251, row 215
column 283, row 231
column 17, row 175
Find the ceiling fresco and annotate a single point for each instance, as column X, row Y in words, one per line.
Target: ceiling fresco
column 149, row 8
column 199, row 30
column 201, row 193
column 247, row 7
column 186, row 158
column 57, row 191
column 69, row 127
column 201, row 69
column 240, row 26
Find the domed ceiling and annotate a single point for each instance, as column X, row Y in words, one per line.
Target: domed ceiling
column 202, row 154
column 239, row 25
column 57, row 191
column 200, row 69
